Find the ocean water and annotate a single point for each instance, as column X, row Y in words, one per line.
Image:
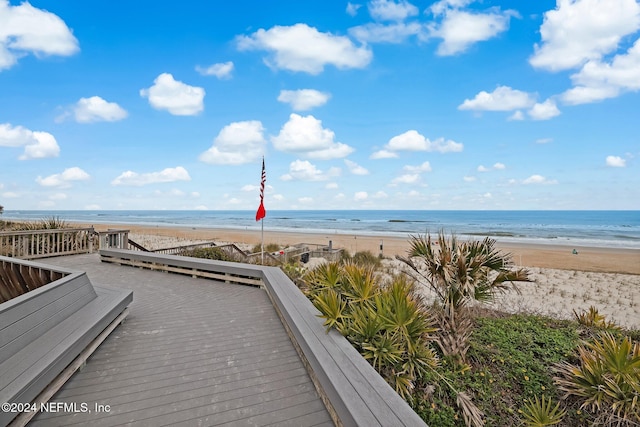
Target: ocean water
column 579, row 228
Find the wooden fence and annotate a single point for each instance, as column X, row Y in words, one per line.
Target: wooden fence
column 31, row 244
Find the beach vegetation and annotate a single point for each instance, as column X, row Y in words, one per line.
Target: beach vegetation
column 605, row 379
column 386, row 322
column 269, row 247
column 460, row 273
column 213, row 253
column 366, row 258
column 542, row 412
column 592, row 318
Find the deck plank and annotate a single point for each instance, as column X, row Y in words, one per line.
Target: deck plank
column 191, row 351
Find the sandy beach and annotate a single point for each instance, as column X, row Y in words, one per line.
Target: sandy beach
column 591, row 259
column 562, row 281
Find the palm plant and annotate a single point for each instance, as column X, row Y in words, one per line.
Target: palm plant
column 388, row 324
column 593, row 318
column 460, row 273
column 540, row 413
column 606, row 381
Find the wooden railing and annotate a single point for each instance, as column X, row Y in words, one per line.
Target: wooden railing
column 114, row 239
column 19, row 278
column 31, row 244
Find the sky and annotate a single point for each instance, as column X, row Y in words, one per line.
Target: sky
column 450, row 104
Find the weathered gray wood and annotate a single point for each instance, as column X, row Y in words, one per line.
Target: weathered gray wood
column 353, row 391
column 192, row 351
column 31, row 244
column 357, row 393
column 43, row 330
column 41, row 312
column 23, row 419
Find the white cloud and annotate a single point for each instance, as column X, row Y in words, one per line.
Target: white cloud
column 64, row 179
column 303, row 48
column 503, row 98
column 413, row 141
column 331, row 186
column 412, row 178
column 250, row 187
column 96, row 109
column 386, row 33
column 440, row 7
column 221, row 70
column 352, row 8
column 516, row 116
column 389, row 10
column 539, row 179
column 304, row 99
column 10, row 195
column 360, row 196
column 599, row 80
column 496, row 166
column 544, row 111
column 130, row 178
column 355, row 168
column 93, row 207
column 469, row 178
column 459, row 29
column 303, row 170
column 616, row 162
column 37, row 145
column 237, row 143
column 380, row 195
column 383, row 154
column 176, row 97
column 306, row 137
column 580, row 30
column 25, row 29
column 424, row 167
column 544, row 140
column 305, row 200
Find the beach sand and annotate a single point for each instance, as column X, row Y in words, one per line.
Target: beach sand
column 606, row 278
column 608, row 260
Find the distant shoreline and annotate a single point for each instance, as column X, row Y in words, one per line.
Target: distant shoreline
column 613, row 229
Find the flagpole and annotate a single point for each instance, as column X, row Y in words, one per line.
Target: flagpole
column 261, row 213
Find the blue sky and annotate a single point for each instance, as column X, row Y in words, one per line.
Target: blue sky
column 452, row 104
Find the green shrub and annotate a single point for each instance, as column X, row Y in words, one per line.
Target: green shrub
column 366, row 258
column 269, row 247
column 208, row 253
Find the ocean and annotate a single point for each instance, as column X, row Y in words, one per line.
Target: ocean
column 620, row 229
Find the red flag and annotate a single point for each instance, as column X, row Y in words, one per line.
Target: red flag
column 261, row 212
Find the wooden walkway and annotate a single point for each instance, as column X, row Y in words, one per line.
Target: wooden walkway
column 191, row 352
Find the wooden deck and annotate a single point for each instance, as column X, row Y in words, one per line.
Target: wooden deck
column 192, row 352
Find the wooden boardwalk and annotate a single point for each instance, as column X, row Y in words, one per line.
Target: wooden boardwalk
column 191, row 352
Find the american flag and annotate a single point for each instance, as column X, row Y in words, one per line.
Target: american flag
column 261, row 212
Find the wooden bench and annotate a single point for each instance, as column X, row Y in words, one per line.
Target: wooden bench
column 44, row 330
